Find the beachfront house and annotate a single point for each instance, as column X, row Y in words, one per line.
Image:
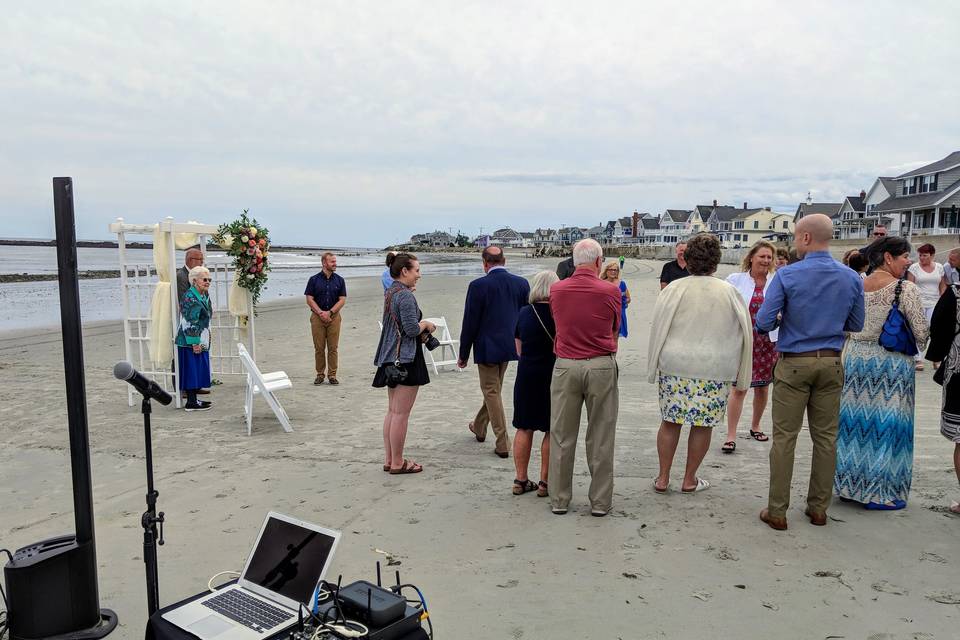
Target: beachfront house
column 751, row 225
column 526, row 240
column 720, row 223
column 852, row 218
column 569, row 235
column 545, row 238
column 829, row 209
column 648, row 230
column 674, row 225
column 506, row 237
column 927, row 199
column 482, row 241
column 883, row 188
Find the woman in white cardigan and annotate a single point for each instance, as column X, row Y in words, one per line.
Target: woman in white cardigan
column 752, row 282
column 701, row 342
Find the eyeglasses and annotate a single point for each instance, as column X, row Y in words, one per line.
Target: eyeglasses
column 204, row 279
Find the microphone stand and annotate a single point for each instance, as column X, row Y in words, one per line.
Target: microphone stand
column 150, row 519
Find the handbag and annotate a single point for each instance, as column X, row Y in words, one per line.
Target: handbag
column 549, row 335
column 896, row 334
column 394, row 372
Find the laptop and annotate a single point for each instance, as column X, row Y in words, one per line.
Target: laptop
column 289, row 558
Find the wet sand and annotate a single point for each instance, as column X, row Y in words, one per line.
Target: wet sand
column 491, row 565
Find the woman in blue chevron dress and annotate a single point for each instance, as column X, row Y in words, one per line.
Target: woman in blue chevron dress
column 875, row 437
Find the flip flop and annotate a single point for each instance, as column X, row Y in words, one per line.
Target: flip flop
column 729, row 447
column 659, row 490
column 702, row 485
column 955, row 508
column 408, row 467
column 759, row 436
column 386, row 467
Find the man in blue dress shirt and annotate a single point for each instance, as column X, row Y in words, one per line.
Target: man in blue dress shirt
column 489, row 329
column 813, row 302
column 326, row 293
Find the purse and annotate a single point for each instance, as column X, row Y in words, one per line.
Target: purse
column 896, row 334
column 394, row 372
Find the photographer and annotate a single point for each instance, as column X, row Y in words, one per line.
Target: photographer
column 399, row 360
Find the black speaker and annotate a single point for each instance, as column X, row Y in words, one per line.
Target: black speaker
column 48, row 588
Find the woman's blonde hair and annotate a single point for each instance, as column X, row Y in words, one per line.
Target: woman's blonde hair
column 197, row 272
column 760, row 244
column 540, row 286
column 613, row 264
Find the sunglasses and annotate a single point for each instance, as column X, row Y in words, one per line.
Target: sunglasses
column 204, row 279
column 879, row 235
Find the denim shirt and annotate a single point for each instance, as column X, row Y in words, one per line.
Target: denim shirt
column 819, row 299
column 405, row 330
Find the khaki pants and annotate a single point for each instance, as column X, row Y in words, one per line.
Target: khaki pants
column 577, row 382
column 813, row 385
column 491, row 411
column 326, row 339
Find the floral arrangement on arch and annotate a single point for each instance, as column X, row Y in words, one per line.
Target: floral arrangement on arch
column 248, row 243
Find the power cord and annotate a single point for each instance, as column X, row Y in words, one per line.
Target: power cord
column 423, row 602
column 340, row 624
column 210, row 587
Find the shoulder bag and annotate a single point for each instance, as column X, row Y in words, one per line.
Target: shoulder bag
column 896, row 334
column 549, row 335
column 394, row 372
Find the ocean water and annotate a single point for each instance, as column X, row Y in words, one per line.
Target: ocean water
column 37, row 304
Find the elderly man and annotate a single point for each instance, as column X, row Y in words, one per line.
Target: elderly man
column 675, row 269
column 951, row 268
column 489, row 328
column 587, row 315
column 326, row 293
column 192, row 258
column 814, row 302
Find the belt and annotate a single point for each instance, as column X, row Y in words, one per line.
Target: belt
column 819, row 353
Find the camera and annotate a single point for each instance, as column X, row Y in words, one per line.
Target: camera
column 429, row 341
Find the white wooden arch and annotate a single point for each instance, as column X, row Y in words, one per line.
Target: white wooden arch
column 138, row 282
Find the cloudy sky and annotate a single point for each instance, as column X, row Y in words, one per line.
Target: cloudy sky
column 359, row 123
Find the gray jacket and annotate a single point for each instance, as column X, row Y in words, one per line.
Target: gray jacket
column 407, row 314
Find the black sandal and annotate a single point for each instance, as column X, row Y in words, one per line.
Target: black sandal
column 759, row 436
column 729, row 447
column 521, row 487
column 542, row 490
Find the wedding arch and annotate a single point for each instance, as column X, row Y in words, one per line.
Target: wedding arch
column 151, row 310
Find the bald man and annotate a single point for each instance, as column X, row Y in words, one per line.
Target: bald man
column 813, row 302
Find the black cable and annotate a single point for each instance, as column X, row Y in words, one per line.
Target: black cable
column 9, row 555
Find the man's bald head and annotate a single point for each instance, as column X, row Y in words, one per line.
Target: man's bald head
column 493, row 257
column 813, row 233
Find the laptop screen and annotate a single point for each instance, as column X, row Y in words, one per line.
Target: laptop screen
column 289, row 559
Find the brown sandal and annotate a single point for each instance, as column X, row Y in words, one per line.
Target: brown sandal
column 408, row 467
column 542, row 490
column 521, row 487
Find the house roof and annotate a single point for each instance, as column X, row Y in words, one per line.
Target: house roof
column 742, row 214
column 890, row 184
column 527, row 235
column 826, row 208
column 918, row 201
column 626, row 222
column 952, row 160
column 650, row 223
column 679, row 215
column 704, row 211
column 726, row 213
column 856, row 202
column 596, row 229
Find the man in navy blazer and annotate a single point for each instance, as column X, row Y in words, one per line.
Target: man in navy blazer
column 489, row 328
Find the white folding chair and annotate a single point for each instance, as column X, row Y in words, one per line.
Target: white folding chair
column 264, row 384
column 447, row 342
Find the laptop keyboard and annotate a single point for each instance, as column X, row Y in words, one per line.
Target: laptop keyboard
column 249, row 611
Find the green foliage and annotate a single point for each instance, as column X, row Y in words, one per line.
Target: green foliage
column 248, row 243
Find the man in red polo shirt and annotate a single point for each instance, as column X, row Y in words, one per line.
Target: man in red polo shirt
column 587, row 314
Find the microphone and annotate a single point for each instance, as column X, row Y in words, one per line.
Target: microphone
column 123, row 370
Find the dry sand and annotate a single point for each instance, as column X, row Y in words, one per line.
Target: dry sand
column 492, row 565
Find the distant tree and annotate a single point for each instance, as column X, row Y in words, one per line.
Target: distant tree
column 463, row 241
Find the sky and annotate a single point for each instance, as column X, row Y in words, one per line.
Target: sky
column 361, row 123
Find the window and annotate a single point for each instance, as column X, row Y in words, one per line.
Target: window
column 928, row 183
column 909, row 186
column 738, row 224
column 756, row 224
column 786, row 224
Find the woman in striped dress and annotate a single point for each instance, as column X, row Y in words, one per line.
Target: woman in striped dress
column 875, row 437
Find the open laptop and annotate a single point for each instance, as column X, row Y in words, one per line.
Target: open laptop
column 289, row 558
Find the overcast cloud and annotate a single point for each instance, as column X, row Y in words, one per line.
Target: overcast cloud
column 360, row 123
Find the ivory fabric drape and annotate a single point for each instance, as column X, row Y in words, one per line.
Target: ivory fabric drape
column 161, row 326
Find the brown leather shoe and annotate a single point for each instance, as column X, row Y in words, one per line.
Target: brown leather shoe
column 475, row 434
column 817, row 519
column 780, row 524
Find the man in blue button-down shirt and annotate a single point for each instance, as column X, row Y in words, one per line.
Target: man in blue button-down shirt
column 813, row 302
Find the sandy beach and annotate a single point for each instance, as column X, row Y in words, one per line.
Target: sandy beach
column 492, row 565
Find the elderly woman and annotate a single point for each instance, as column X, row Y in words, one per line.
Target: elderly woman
column 945, row 349
column 752, row 282
column 701, row 341
column 400, row 364
column 193, row 339
column 611, row 273
column 531, row 391
column 875, row 434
